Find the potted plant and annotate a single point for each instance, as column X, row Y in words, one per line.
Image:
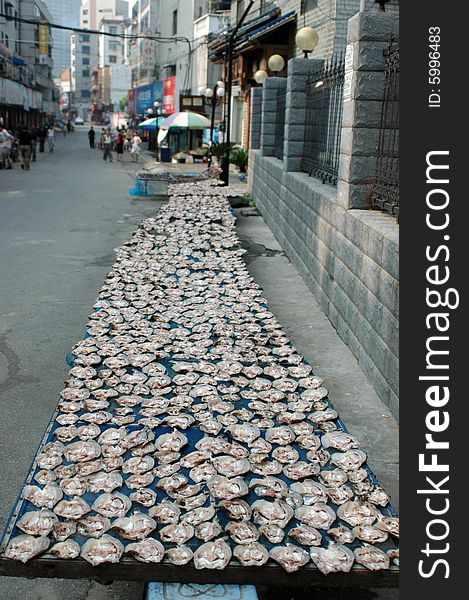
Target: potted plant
column 239, row 157
column 198, row 154
column 180, row 157
column 218, row 149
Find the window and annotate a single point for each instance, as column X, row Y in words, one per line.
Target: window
column 113, row 59
column 113, row 29
column 175, row 22
column 85, row 49
column 85, row 73
column 85, row 21
column 307, row 5
column 112, row 45
column 85, row 94
column 84, row 38
column 86, row 61
column 85, row 11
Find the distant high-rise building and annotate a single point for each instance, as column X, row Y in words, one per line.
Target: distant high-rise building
column 68, row 14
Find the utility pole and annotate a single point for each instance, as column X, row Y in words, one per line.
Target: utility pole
column 225, row 162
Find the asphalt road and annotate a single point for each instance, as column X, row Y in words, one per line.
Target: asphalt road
column 59, row 225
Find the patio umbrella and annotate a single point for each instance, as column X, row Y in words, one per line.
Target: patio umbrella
column 185, row 120
column 150, row 124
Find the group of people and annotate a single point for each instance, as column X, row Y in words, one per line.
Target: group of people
column 24, row 143
column 118, row 140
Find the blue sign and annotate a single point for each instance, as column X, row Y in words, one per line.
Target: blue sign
column 147, row 95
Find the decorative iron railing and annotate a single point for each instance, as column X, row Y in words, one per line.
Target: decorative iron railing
column 280, row 123
column 324, row 104
column 385, row 194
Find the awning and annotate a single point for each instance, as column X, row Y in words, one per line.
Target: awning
column 19, row 61
column 245, row 37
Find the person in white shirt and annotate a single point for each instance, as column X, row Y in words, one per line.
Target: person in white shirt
column 6, row 140
column 51, row 138
column 135, row 149
column 107, row 146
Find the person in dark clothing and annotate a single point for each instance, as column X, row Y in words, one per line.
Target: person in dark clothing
column 35, row 135
column 91, row 136
column 42, row 138
column 25, row 138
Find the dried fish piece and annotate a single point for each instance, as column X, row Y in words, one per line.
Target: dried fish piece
column 48, row 461
column 332, row 559
column 45, row 476
column 144, row 496
column 42, row 498
column 230, row 466
column 341, row 535
column 333, row 478
column 192, row 502
column 63, row 530
column 139, row 437
column 265, row 467
column 379, row 497
column 37, row 522
column 245, row 432
column 136, row 527
column 222, row 488
column 339, row 495
column 72, row 509
column 370, row 534
column 212, row 555
column 177, row 533
column 389, row 524
column 213, row 445
column 339, row 440
column 103, row 550
column 89, row 432
column 66, row 434
column 74, row 486
column 94, row 526
column 171, row 441
column 306, row 535
column 312, row 491
column 24, row 547
column 134, row 482
column 286, row 454
column 283, row 435
column 87, row 468
column 290, row 557
column 207, row 530
column 138, row 465
column 356, row 512
column 349, row 460
column 242, row 532
column 112, row 505
column 251, row 555
column 275, row 513
column 372, row 558
column 301, row 469
column 237, row 509
column 66, row 549
column 147, row 551
column 269, row 486
column 165, row 512
column 112, row 436
column 105, row 482
column 317, row 515
column 180, row 555
column 82, row 451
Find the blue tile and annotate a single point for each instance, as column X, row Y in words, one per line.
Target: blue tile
column 196, row 591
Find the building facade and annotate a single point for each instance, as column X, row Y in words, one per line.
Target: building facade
column 68, row 14
column 27, row 91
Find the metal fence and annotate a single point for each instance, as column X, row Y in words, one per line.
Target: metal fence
column 385, row 194
column 280, row 123
column 324, row 104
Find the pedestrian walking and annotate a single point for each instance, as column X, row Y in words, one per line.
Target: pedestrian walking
column 120, row 146
column 135, row 149
column 69, row 126
column 6, row 143
column 51, row 139
column 64, row 128
column 42, row 138
column 35, row 134
column 25, row 139
column 91, row 136
column 107, row 146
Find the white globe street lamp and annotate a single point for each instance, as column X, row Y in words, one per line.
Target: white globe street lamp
column 307, row 39
column 276, row 63
column 260, row 76
column 220, row 91
column 208, row 93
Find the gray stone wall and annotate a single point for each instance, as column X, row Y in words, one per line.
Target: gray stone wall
column 256, row 118
column 348, row 258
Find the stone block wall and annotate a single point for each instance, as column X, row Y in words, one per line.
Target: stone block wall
column 348, row 258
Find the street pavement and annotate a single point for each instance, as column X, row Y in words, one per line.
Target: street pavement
column 59, row 226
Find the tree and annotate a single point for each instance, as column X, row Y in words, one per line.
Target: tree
column 123, row 103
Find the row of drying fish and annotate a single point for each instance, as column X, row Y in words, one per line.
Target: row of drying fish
column 190, row 429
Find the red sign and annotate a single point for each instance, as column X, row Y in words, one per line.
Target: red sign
column 131, row 103
column 169, row 95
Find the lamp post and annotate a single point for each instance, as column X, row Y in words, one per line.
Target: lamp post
column 149, row 112
column 214, row 95
column 307, row 39
column 276, row 63
column 158, row 111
